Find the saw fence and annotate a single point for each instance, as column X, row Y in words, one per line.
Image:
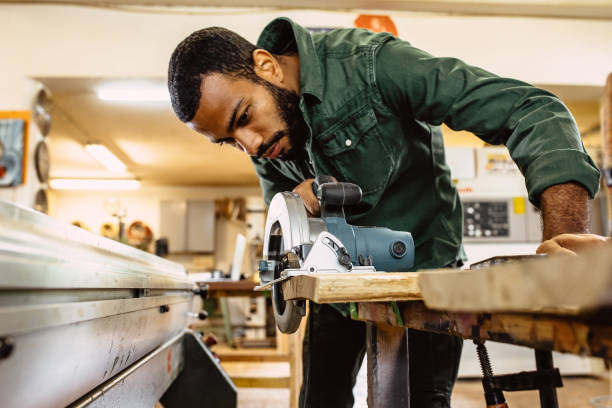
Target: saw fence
column 554, row 304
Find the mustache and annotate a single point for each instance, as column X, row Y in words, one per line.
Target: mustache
column 263, row 148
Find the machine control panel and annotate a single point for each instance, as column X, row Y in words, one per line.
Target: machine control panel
column 500, row 219
column 486, row 219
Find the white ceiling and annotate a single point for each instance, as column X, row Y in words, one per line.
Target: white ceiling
column 156, row 147
column 595, row 9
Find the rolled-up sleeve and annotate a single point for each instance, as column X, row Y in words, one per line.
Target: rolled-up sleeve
column 538, row 129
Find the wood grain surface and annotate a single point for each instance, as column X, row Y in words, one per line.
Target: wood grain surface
column 565, row 334
column 567, row 285
column 353, row 287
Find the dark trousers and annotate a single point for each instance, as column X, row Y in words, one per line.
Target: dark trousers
column 333, row 350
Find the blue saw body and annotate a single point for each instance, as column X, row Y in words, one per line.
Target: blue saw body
column 288, row 244
column 388, row 250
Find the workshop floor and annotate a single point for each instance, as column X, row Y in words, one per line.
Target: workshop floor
column 575, row 393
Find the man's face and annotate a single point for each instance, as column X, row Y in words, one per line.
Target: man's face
column 259, row 118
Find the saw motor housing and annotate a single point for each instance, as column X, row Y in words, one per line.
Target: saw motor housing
column 296, row 244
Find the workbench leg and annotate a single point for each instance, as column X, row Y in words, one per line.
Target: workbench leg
column 295, row 363
column 388, row 372
column 548, row 396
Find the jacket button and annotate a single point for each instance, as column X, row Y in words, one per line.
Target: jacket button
column 348, row 142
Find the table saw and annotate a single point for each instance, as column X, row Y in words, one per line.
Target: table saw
column 87, row 321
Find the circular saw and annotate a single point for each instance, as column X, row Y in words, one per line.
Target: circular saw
column 295, row 244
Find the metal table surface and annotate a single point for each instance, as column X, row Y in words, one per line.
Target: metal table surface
column 76, row 309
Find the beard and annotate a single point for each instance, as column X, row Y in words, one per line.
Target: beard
column 296, row 129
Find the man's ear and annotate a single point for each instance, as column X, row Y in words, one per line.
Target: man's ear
column 267, row 67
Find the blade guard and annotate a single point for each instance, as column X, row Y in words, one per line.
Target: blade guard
column 286, row 228
column 286, row 217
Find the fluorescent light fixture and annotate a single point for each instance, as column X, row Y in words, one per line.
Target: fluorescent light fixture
column 134, row 93
column 105, row 157
column 94, row 184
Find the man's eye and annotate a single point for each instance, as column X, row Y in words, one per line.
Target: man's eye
column 228, row 141
column 244, row 118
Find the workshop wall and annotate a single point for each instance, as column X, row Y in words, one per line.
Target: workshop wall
column 586, row 113
column 88, row 207
column 25, row 193
column 73, row 41
column 142, row 204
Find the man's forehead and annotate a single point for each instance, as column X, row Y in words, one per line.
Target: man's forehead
column 197, row 126
column 219, row 95
column 221, row 86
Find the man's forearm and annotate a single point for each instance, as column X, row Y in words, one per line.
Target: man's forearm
column 564, row 210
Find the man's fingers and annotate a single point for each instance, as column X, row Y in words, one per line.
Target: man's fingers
column 304, row 190
column 569, row 244
column 551, row 247
column 577, row 242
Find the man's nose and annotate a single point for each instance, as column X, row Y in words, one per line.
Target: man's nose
column 248, row 142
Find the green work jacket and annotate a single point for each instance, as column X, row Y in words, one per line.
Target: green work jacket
column 374, row 105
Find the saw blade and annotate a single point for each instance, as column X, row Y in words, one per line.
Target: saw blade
column 288, row 233
column 288, row 314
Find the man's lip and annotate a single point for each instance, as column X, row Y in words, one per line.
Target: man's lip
column 273, row 151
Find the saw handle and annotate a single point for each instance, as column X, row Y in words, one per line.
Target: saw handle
column 320, row 180
column 334, row 196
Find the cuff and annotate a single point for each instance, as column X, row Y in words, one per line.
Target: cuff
column 558, row 167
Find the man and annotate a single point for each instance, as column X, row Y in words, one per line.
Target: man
column 366, row 108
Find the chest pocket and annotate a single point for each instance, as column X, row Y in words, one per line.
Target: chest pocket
column 355, row 150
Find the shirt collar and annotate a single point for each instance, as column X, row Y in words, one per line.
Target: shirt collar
column 278, row 34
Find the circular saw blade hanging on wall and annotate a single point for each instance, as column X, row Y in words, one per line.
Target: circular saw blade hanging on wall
column 40, row 202
column 41, row 111
column 41, row 156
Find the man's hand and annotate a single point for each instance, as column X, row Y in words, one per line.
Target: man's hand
column 569, row 244
column 304, row 190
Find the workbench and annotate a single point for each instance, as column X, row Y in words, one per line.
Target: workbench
column 222, row 289
column 549, row 304
column 278, row 367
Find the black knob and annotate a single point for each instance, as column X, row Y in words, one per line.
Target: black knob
column 321, row 180
column 344, row 259
column 6, row 347
column 398, row 249
column 201, row 290
column 164, row 309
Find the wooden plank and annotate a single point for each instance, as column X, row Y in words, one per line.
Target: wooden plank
column 258, row 375
column 606, row 147
column 564, row 334
column 353, row 287
column 559, row 285
column 606, row 124
column 261, row 382
column 295, row 361
column 282, row 341
column 226, row 288
column 226, row 354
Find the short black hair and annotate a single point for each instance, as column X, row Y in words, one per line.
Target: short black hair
column 206, row 51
